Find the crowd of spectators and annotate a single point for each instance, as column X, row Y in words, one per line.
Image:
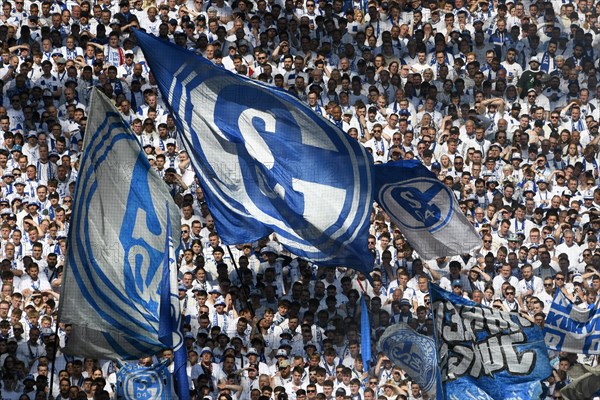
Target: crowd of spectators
column 500, row 99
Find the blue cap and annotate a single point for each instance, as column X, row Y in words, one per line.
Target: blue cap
column 456, row 282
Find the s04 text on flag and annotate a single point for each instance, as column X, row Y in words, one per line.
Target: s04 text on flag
column 425, row 210
column 266, row 162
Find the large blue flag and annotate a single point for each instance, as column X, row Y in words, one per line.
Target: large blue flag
column 266, row 162
column 572, row 328
column 414, row 353
column 484, row 353
column 113, row 279
column 425, row 210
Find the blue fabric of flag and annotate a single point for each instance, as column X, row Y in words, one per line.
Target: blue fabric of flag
column 485, row 353
column 135, row 382
column 414, row 353
column 171, row 324
column 365, row 335
column 425, row 210
column 266, row 162
column 112, row 284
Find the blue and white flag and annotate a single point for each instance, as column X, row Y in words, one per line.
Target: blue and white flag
column 135, row 382
column 266, row 162
column 425, row 210
column 414, row 353
column 365, row 334
column 571, row 328
column 111, row 292
column 171, row 321
column 484, row 353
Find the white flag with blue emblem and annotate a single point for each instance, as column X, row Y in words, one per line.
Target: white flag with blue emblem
column 111, row 291
column 425, row 210
column 135, row 381
column 266, row 162
column 414, row 353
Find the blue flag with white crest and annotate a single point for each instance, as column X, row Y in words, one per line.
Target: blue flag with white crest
column 266, row 162
column 425, row 210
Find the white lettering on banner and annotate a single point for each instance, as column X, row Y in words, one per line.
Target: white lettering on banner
column 481, row 341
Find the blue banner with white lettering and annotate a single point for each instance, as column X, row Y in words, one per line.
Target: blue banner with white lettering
column 484, row 353
column 266, row 162
column 425, row 210
column 572, row 328
column 138, row 382
column 414, row 353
